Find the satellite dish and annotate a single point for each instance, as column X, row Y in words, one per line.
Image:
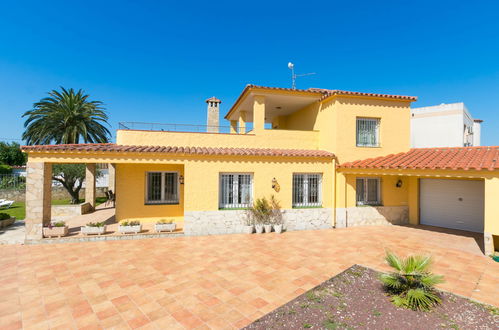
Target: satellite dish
column 290, row 65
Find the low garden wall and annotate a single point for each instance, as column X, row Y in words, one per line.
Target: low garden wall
column 232, row 221
column 57, row 193
column 371, row 216
column 71, row 210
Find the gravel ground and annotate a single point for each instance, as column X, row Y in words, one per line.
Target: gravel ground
column 355, row 299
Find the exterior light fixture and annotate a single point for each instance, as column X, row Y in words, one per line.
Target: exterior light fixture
column 399, row 184
column 181, row 179
column 275, row 185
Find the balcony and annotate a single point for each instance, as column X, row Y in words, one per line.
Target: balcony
column 140, row 126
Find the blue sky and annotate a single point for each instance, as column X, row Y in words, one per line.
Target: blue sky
column 157, row 61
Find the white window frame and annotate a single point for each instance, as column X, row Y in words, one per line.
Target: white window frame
column 235, row 191
column 163, row 183
column 365, row 200
column 305, row 182
column 373, row 122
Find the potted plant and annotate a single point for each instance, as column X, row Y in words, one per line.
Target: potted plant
column 6, row 220
column 127, row 227
column 267, row 226
column 55, row 229
column 248, row 224
column 165, row 225
column 260, row 213
column 276, row 214
column 94, row 228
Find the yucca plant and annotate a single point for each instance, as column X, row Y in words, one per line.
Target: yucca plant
column 412, row 285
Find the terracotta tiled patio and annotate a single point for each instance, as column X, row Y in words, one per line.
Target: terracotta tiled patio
column 216, row 282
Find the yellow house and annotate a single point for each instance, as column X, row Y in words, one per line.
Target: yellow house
column 332, row 158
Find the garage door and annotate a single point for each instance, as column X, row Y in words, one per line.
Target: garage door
column 456, row 204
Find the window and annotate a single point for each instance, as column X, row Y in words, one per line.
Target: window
column 162, row 188
column 368, row 191
column 367, row 132
column 235, row 190
column 307, row 190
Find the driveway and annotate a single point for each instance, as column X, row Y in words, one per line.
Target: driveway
column 211, row 281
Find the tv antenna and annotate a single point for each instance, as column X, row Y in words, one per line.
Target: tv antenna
column 291, row 66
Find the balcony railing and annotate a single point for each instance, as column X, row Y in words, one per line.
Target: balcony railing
column 172, row 127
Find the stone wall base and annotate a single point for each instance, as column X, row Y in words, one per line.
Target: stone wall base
column 71, row 210
column 57, row 193
column 231, row 222
column 371, row 216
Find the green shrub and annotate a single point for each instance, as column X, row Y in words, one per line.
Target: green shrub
column 4, row 216
column 165, row 221
column 411, row 285
column 95, row 224
column 59, row 224
column 5, row 169
column 129, row 223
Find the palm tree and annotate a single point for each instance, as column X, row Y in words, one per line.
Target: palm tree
column 412, row 284
column 66, row 117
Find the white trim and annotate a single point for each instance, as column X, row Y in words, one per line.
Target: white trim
column 235, row 190
column 304, row 181
column 163, row 199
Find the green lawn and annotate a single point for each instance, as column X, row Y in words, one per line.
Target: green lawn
column 18, row 209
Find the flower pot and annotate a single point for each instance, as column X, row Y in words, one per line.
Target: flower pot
column 278, row 228
column 259, row 229
column 55, row 231
column 268, row 228
column 159, row 227
column 7, row 222
column 130, row 229
column 87, row 230
column 248, row 229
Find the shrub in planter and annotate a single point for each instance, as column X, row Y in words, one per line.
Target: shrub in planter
column 6, row 220
column 127, row 227
column 249, row 224
column 411, row 284
column 276, row 214
column 260, row 212
column 165, row 225
column 55, row 229
column 90, row 228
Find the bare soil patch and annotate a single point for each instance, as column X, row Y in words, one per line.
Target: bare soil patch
column 355, row 299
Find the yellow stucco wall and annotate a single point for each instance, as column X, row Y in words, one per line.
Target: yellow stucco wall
column 492, row 206
column 130, row 193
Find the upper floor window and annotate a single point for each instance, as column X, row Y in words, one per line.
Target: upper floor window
column 368, row 191
column 307, row 189
column 367, row 132
column 162, row 188
column 235, row 190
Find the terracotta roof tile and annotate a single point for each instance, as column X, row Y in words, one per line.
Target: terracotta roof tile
column 465, row 158
column 111, row 147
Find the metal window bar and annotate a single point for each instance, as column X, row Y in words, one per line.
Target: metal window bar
column 235, row 190
column 170, row 188
column 367, row 132
column 307, row 190
column 368, row 191
column 162, row 188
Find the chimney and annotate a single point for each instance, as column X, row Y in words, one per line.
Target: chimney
column 213, row 121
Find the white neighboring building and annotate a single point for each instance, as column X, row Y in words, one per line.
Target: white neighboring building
column 444, row 125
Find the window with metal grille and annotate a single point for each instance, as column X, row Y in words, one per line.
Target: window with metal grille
column 367, row 132
column 307, row 190
column 236, row 190
column 368, row 191
column 162, row 188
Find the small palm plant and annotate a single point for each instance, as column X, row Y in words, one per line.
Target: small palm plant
column 411, row 285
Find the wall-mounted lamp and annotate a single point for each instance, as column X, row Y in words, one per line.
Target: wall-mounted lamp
column 181, row 179
column 398, row 184
column 275, row 185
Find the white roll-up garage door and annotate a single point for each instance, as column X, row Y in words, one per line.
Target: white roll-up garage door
column 456, row 204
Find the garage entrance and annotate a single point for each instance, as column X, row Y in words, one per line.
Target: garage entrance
column 456, row 204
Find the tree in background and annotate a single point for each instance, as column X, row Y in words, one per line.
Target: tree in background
column 66, row 117
column 11, row 154
column 71, row 177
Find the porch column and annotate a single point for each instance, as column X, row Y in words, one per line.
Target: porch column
column 233, row 126
column 111, row 184
column 413, row 187
column 38, row 198
column 491, row 214
column 258, row 114
column 90, row 185
column 242, row 122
